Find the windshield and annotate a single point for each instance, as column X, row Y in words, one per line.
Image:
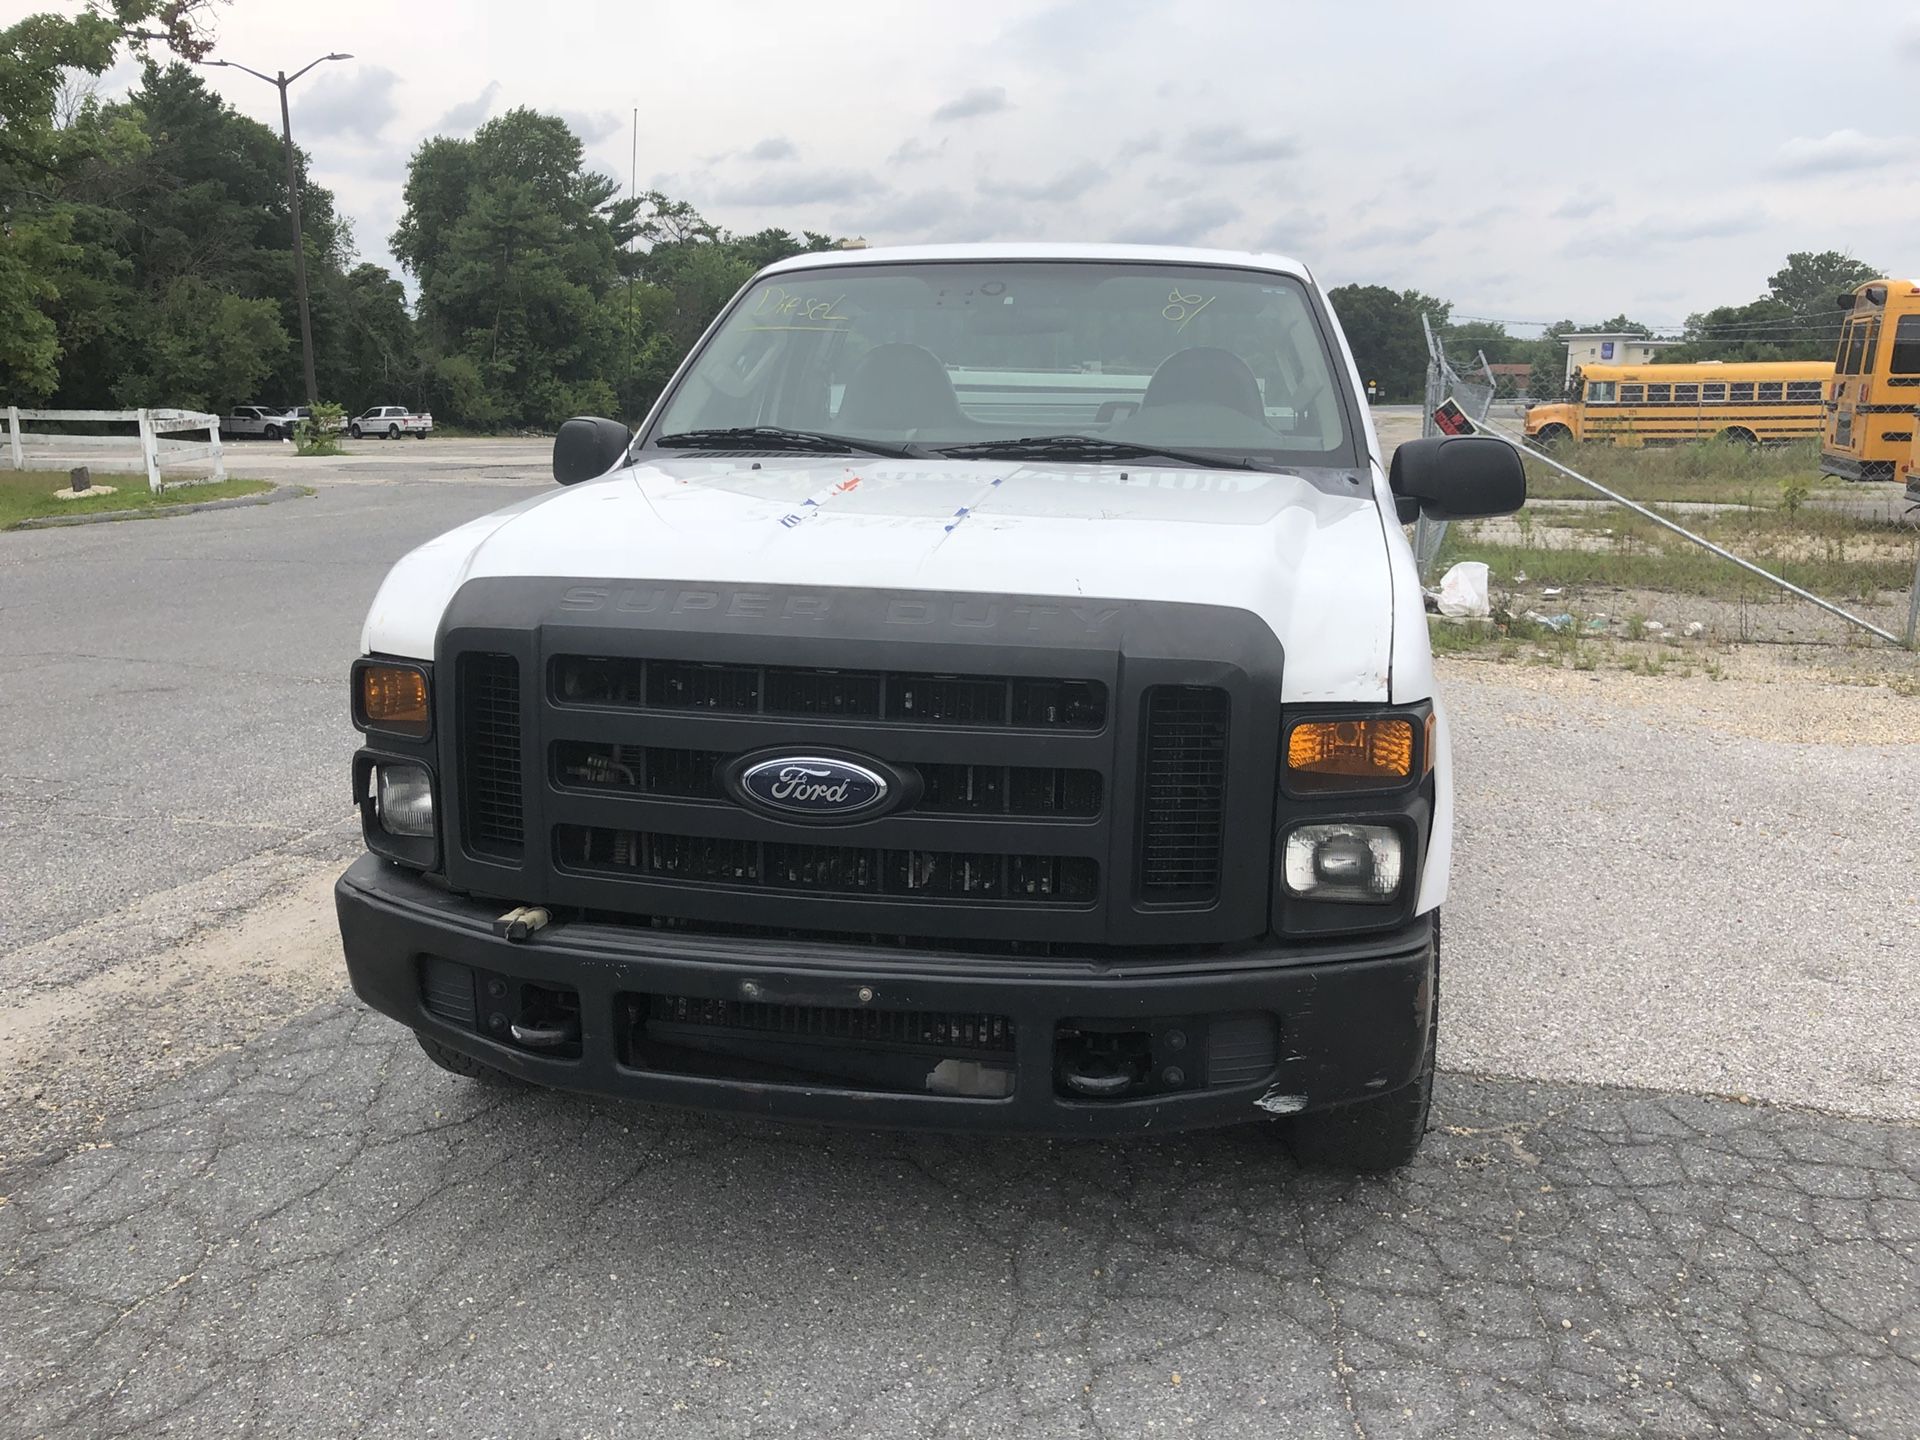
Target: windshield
column 1208, row 360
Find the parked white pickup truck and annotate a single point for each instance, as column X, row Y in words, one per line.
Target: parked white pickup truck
column 391, row 421
column 877, row 738
column 260, row 422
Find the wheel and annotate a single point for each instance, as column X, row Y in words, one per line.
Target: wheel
column 273, row 432
column 1737, row 435
column 354, row 431
column 455, row 1062
column 393, row 432
column 1385, row 1132
column 1553, row 435
column 419, row 434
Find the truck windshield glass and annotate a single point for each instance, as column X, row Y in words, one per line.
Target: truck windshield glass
column 1222, row 362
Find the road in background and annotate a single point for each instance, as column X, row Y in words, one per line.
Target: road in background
column 256, row 1209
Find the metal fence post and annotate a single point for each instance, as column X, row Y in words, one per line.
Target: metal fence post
column 1913, row 603
column 13, row 436
column 149, row 451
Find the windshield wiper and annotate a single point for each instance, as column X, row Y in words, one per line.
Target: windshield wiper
column 778, row 437
column 1088, row 447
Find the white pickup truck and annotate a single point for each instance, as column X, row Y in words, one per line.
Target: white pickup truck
column 1047, row 742
column 259, row 422
column 391, row 422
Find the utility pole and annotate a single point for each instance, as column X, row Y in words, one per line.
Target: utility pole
column 280, row 82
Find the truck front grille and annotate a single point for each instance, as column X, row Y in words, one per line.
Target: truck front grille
column 838, row 870
column 821, row 1024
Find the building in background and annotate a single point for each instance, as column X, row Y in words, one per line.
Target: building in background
column 1611, row 347
column 1510, row 382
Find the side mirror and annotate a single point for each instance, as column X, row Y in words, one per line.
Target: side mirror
column 588, row 446
column 1457, row 477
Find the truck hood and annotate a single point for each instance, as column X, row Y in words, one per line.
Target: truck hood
column 1305, row 552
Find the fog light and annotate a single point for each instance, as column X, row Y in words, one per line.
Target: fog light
column 403, row 799
column 1351, row 863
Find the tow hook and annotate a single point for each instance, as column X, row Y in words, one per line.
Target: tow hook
column 521, row 922
column 546, row 1037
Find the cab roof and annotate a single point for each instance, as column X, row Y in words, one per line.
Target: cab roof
column 1042, row 250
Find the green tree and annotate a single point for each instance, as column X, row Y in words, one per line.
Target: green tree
column 1383, row 327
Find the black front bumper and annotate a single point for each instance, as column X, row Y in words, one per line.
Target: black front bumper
column 1349, row 1020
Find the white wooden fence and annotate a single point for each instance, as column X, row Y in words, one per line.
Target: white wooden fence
column 54, row 450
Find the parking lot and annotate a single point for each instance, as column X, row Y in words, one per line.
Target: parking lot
column 1674, row 1187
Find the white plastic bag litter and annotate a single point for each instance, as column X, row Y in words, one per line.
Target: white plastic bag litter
column 1463, row 590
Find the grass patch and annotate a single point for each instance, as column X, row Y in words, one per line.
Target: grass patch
column 1709, row 470
column 1688, row 571
column 28, row 494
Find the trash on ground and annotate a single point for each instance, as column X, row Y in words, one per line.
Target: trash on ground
column 1463, row 590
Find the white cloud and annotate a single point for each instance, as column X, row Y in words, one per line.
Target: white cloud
column 1838, row 150
column 980, row 100
column 469, row 113
column 354, row 104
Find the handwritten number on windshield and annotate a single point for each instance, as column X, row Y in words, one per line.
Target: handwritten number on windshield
column 1181, row 309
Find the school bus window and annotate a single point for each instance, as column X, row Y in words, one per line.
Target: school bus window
column 1803, row 392
column 1659, row 394
column 1600, row 392
column 1852, row 344
column 1635, row 394
column 1769, row 392
column 1714, row 394
column 1740, row 392
column 1686, row 394
column 1905, row 359
column 1872, row 329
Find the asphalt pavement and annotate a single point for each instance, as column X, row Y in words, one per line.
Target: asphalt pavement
column 232, row 1202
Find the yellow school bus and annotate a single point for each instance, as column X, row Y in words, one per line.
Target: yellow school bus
column 1869, row 433
column 1762, row 402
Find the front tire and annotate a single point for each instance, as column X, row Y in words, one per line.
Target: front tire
column 1382, row 1133
column 354, row 431
column 1553, row 435
column 456, row 1062
column 273, row 432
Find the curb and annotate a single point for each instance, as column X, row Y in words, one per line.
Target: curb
column 162, row 512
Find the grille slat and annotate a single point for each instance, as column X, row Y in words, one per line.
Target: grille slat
column 1184, row 790
column 908, row 1029
column 489, row 737
column 965, row 701
column 841, row 870
column 681, row 774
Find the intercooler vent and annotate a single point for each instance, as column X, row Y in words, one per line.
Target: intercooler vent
column 843, row 870
column 962, row 701
column 945, row 1031
column 489, row 706
column 1184, row 794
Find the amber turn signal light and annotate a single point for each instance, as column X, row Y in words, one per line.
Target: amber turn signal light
column 392, row 698
column 1377, row 750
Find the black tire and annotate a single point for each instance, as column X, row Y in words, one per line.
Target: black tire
column 1383, row 1133
column 273, row 432
column 465, row 1066
column 1553, row 435
column 393, row 432
column 354, row 431
column 1737, row 435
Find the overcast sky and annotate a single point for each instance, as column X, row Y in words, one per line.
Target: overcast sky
column 1526, row 164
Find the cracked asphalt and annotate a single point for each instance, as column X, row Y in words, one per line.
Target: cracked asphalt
column 234, row 1203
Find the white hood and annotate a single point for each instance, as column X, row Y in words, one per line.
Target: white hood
column 1313, row 566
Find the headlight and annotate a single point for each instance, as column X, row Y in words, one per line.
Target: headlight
column 1352, row 863
column 391, row 697
column 403, row 800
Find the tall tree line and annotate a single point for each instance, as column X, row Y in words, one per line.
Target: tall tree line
column 146, row 253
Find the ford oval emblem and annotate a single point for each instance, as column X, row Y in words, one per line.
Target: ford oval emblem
column 813, row 787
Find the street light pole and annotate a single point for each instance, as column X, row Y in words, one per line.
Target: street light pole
column 280, row 82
